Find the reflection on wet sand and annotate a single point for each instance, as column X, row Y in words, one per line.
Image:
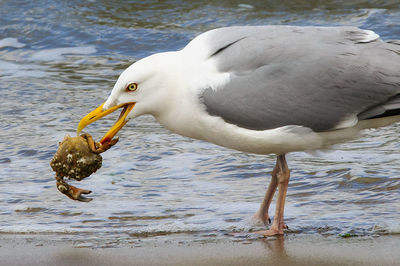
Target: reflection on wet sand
column 276, row 246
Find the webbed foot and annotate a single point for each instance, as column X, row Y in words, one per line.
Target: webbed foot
column 261, row 219
column 274, row 230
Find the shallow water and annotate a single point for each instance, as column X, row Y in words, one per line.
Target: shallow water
column 59, row 60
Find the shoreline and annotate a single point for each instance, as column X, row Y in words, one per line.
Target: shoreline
column 287, row 250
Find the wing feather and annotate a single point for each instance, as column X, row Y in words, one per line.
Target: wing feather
column 315, row 77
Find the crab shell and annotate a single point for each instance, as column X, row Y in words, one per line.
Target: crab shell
column 74, row 159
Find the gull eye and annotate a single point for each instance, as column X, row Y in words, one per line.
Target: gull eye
column 132, row 87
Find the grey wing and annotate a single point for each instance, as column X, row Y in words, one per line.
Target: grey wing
column 321, row 78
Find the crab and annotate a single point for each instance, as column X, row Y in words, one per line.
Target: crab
column 77, row 158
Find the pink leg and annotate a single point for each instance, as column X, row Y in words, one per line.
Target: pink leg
column 262, row 213
column 282, row 179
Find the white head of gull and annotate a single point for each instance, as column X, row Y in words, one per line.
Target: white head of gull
column 265, row 89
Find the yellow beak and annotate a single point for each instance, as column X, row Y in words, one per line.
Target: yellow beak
column 99, row 113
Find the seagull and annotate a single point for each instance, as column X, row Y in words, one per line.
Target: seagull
column 265, row 90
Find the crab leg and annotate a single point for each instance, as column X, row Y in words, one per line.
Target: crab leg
column 72, row 192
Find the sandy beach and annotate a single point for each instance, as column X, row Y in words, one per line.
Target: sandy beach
column 289, row 250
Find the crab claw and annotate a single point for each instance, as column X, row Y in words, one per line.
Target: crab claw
column 73, row 192
column 102, row 147
column 99, row 147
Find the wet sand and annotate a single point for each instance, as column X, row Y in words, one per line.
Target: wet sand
column 289, row 250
